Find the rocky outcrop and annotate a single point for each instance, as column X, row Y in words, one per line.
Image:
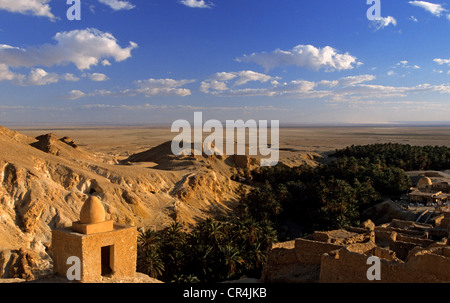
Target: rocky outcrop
column 21, row 264
column 243, row 161
column 45, row 181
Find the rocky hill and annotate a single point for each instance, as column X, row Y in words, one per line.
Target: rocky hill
column 44, row 182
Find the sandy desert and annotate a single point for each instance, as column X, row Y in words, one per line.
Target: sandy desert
column 122, row 141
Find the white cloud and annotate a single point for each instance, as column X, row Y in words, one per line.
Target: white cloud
column 196, row 3
column 75, row 94
column 7, row 75
column 435, row 9
column 365, row 91
column 163, row 87
column 98, row 77
column 294, row 89
column 28, row 7
column 38, row 76
column 383, row 22
column 70, row 77
column 148, row 88
column 213, row 85
column 247, row 76
column 346, row 89
column 442, row 61
column 84, row 48
column 220, row 81
column 405, row 64
column 118, row 5
column 413, row 19
column 307, row 56
column 353, row 80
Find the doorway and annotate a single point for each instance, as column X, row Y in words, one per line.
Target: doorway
column 106, row 260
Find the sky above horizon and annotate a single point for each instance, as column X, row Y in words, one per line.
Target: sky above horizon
column 156, row 61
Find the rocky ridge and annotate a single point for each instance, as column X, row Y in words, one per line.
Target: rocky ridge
column 44, row 182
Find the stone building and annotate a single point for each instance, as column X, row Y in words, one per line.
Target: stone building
column 104, row 248
column 427, row 192
column 408, row 252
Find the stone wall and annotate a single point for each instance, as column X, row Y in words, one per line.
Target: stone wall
column 406, row 252
column 347, row 265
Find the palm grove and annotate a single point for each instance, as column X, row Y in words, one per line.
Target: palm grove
column 283, row 204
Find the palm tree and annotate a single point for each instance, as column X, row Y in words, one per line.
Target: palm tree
column 256, row 257
column 150, row 263
column 174, row 235
column 268, row 234
column 232, row 259
column 149, row 240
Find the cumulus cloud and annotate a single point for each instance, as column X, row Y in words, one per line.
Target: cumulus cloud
column 70, row 77
column 84, row 48
column 147, row 88
column 75, row 94
column 442, row 61
column 98, row 77
column 435, row 9
column 346, row 89
column 118, row 5
column 220, row 81
column 7, row 75
column 163, row 87
column 196, row 3
column 38, row 8
column 307, row 56
column 36, row 77
column 229, row 84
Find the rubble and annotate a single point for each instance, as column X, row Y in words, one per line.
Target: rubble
column 409, row 252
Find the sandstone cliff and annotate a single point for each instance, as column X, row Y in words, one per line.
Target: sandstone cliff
column 45, row 181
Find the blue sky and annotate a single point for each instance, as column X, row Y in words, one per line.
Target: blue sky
column 156, row 61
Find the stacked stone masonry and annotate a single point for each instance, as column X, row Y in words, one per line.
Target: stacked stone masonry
column 409, row 252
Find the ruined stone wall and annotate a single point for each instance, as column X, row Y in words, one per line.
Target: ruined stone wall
column 349, row 265
column 406, row 252
column 296, row 261
column 310, row 251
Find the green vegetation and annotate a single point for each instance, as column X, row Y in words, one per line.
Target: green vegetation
column 287, row 203
column 404, row 156
column 215, row 250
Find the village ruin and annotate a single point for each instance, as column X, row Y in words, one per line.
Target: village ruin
column 429, row 192
column 409, row 251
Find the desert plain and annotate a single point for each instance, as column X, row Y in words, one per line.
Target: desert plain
column 123, row 141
